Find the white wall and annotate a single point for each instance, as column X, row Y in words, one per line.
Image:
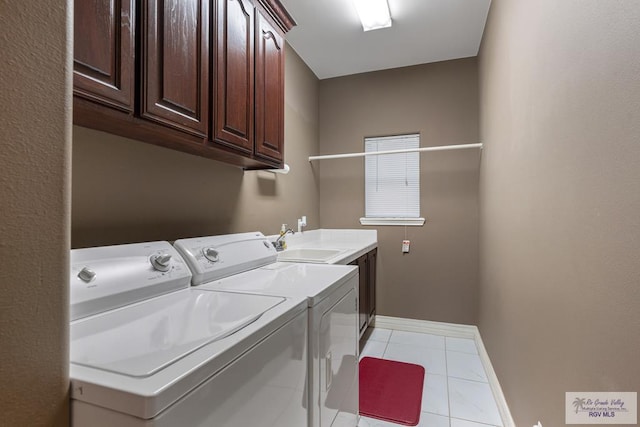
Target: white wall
column 35, row 139
column 560, row 200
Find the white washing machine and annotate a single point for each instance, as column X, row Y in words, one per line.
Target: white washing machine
column 331, row 293
column 147, row 349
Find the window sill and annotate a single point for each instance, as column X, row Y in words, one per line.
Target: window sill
column 414, row 222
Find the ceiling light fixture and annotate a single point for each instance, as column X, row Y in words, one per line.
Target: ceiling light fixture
column 374, row 14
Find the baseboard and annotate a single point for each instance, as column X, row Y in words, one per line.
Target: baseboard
column 457, row 331
column 501, row 401
column 425, row 327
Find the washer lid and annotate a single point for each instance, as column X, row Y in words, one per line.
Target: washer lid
column 141, row 339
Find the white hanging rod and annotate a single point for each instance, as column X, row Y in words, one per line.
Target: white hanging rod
column 406, row 150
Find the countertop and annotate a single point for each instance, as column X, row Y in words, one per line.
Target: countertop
column 352, row 243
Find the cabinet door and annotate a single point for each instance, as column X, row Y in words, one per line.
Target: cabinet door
column 175, row 69
column 363, row 309
column 234, row 91
column 269, row 90
column 372, row 260
column 103, row 53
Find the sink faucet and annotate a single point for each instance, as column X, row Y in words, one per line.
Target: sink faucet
column 279, row 244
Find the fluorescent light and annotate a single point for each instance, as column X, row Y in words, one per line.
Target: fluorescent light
column 374, row 14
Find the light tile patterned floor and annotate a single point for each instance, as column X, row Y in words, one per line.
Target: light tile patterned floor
column 456, row 392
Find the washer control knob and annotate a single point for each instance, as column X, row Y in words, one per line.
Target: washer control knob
column 211, row 254
column 86, row 274
column 161, row 262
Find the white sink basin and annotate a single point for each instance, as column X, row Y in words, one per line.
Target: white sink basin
column 309, row 255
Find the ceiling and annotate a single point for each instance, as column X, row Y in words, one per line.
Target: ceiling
column 330, row 39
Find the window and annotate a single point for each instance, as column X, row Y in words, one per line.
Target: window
column 392, row 182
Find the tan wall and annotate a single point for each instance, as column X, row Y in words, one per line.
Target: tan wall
column 437, row 280
column 117, row 182
column 35, row 135
column 559, row 191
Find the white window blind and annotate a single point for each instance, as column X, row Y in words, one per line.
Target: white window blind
column 392, row 181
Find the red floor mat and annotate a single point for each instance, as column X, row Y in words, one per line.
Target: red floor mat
column 390, row 390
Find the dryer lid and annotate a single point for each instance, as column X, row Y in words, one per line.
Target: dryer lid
column 142, row 339
column 315, row 282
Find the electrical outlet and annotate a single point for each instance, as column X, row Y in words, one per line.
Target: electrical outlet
column 405, row 246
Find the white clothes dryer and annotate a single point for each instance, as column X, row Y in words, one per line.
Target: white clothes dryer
column 331, row 294
column 147, row 349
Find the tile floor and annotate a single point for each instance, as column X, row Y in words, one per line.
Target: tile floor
column 456, row 392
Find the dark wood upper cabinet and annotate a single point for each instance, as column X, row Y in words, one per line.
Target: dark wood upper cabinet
column 175, row 69
column 103, row 66
column 233, row 120
column 200, row 76
column 269, row 98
